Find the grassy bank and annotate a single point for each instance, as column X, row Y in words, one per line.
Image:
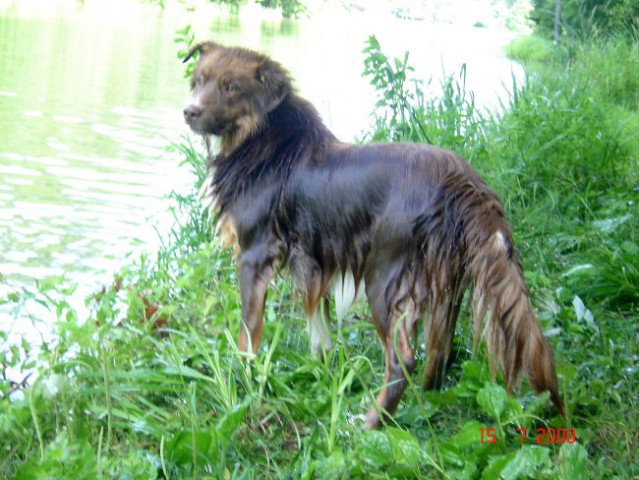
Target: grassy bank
column 151, row 385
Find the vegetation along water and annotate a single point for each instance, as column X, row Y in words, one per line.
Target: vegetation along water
column 150, row 385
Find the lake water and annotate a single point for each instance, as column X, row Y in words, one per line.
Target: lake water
column 91, row 95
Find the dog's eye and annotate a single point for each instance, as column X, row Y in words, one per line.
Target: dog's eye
column 199, row 80
column 230, row 87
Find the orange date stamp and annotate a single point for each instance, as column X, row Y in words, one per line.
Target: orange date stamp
column 544, row 436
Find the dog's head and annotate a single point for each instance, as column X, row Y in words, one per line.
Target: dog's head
column 233, row 91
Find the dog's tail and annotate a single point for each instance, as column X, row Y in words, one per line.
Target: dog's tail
column 513, row 334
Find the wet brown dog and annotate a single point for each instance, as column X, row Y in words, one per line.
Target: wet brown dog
column 414, row 226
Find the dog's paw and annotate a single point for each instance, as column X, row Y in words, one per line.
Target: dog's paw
column 372, row 420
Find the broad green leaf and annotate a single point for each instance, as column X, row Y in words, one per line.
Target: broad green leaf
column 179, row 448
column 374, row 448
column 475, row 375
column 229, row 423
column 512, row 466
column 469, row 435
column 496, row 466
column 332, row 466
column 573, row 462
column 451, row 454
column 406, row 448
column 492, row 398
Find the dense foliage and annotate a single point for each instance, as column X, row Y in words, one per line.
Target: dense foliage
column 289, row 8
column 151, row 385
column 587, row 17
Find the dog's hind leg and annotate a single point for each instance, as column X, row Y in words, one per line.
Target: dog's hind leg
column 388, row 298
column 439, row 334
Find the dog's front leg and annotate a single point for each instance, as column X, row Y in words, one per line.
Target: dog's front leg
column 256, row 271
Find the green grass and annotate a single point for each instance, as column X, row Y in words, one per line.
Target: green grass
column 152, row 386
column 532, row 50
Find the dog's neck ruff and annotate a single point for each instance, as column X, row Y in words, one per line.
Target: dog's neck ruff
column 270, row 152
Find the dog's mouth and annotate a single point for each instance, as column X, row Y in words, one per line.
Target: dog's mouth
column 201, row 121
column 203, row 127
column 220, row 130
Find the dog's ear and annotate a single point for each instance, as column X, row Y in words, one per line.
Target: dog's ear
column 275, row 80
column 200, row 48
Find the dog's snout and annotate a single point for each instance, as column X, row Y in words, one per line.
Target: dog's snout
column 191, row 112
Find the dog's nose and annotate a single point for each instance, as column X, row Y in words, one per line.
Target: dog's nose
column 191, row 112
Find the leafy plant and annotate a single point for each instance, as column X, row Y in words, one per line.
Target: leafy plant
column 583, row 18
column 185, row 38
column 290, row 8
column 403, row 114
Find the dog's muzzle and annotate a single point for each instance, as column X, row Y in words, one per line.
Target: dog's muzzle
column 192, row 113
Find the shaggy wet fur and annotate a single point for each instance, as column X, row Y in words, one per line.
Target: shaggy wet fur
column 412, row 226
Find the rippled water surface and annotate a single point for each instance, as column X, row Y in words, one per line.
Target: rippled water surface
column 91, row 95
column 87, row 107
